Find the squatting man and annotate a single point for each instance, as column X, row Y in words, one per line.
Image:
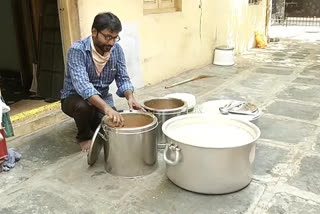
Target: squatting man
column 92, row 65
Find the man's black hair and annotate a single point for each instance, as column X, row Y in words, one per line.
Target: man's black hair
column 107, row 21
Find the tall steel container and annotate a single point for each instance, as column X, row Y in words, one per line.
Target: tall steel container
column 165, row 108
column 131, row 150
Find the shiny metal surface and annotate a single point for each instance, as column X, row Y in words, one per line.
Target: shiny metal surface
column 131, row 150
column 165, row 108
column 210, row 170
column 98, row 140
column 190, row 99
column 212, row 107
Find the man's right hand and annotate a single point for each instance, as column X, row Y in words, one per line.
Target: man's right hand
column 115, row 119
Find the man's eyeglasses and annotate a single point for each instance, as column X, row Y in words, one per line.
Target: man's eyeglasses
column 108, row 38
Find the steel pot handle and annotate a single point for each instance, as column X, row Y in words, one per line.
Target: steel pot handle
column 177, row 150
column 252, row 154
column 104, row 136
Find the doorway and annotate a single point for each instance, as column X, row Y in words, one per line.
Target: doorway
column 31, row 63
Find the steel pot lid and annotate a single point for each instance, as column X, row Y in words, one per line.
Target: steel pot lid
column 190, row 99
column 165, row 105
column 212, row 107
column 97, row 143
column 207, row 131
column 134, row 122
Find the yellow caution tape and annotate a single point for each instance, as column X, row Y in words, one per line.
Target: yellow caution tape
column 34, row 112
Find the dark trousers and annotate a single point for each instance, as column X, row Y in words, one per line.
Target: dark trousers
column 86, row 116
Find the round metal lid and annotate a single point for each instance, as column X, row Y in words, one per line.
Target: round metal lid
column 97, row 143
column 212, row 107
column 190, row 99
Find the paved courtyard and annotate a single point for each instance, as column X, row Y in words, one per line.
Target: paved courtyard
column 283, row 80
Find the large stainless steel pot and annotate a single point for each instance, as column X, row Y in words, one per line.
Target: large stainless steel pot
column 131, row 150
column 211, row 155
column 165, row 108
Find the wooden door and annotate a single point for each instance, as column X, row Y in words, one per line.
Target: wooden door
column 51, row 64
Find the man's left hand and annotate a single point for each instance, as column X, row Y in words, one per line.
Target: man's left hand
column 132, row 103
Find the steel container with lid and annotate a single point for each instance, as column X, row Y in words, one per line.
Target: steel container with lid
column 165, row 108
column 209, row 154
column 130, row 150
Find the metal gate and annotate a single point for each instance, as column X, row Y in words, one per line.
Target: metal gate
column 295, row 13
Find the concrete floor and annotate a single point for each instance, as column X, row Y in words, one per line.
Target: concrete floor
column 284, row 80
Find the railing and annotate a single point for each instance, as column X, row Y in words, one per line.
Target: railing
column 296, row 21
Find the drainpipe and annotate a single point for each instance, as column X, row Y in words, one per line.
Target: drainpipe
column 268, row 18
